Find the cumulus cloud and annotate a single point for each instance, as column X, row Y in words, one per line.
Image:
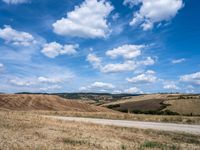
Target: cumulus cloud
column 171, row 86
column 147, row 77
column 101, row 86
column 20, row 82
column 49, row 79
column 15, row 37
column 50, row 88
column 86, row 21
column 133, row 90
column 153, row 11
column 177, row 61
column 147, row 62
column 127, row 65
column 126, row 51
column 15, row 1
column 130, row 54
column 150, row 72
column 193, row 78
column 94, row 60
column 54, row 49
column 117, row 91
column 119, row 67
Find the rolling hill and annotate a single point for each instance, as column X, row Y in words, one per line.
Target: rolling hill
column 169, row 104
column 28, row 102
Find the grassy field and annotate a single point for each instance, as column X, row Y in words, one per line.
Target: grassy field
column 184, row 106
column 21, row 130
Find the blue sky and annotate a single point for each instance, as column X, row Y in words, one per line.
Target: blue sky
column 125, row 46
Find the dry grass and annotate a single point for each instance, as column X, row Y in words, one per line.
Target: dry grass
column 184, row 106
column 124, row 116
column 21, row 130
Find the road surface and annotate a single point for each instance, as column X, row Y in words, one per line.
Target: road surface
column 184, row 128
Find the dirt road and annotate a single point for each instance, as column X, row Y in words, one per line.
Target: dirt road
column 185, row 128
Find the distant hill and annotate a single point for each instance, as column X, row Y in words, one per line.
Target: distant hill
column 95, row 98
column 45, row 102
column 159, row 104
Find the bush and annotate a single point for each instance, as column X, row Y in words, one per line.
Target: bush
column 155, row 112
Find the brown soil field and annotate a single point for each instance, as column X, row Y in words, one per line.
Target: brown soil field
column 28, row 102
column 152, row 104
column 25, row 130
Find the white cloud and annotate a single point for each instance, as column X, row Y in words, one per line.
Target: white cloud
column 83, row 89
column 133, row 90
column 150, row 72
column 171, row 86
column 143, row 78
column 15, row 1
column 50, row 88
column 153, row 11
column 126, row 51
column 16, row 37
column 128, row 65
column 147, row 62
column 119, row 67
column 87, row 20
column 20, row 82
column 102, row 86
column 94, row 60
column 191, row 78
column 117, row 92
column 54, row 49
column 177, row 61
column 49, row 80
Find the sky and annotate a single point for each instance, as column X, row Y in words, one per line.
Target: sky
column 106, row 46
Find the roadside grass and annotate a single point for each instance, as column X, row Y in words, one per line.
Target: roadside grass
column 157, row 145
column 25, row 130
column 126, row 116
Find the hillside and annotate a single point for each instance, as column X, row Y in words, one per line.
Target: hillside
column 169, row 104
column 45, row 102
column 91, row 98
column 184, row 106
